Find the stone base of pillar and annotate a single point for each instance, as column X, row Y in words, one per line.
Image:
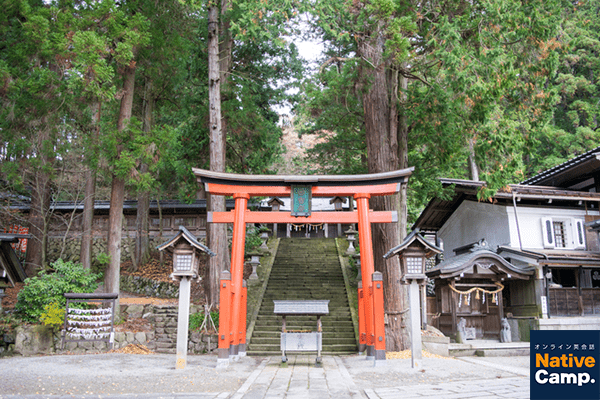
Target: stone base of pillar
column 370, row 352
column 222, row 363
column 223, row 354
column 379, row 359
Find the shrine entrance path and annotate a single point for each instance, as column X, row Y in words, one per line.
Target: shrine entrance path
column 305, row 269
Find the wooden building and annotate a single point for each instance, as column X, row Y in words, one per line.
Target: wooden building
column 470, row 286
column 542, row 232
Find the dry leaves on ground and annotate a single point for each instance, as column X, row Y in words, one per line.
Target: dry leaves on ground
column 133, row 349
column 406, row 354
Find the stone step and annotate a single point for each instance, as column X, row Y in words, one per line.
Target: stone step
column 259, row 341
column 263, row 333
column 327, row 328
column 335, row 348
column 268, row 306
column 486, row 348
column 313, row 354
column 342, row 331
column 274, row 319
column 333, row 297
column 305, row 269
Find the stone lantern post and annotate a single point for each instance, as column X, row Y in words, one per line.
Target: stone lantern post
column 186, row 251
column 414, row 252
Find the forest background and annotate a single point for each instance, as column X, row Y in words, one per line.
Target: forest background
column 115, row 99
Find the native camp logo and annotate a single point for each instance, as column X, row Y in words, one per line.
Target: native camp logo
column 564, row 365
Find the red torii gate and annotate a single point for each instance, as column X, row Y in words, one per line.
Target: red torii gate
column 232, row 316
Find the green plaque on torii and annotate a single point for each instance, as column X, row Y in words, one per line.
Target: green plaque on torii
column 301, row 200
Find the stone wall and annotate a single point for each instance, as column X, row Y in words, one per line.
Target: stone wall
column 72, row 246
column 31, row 340
column 149, row 287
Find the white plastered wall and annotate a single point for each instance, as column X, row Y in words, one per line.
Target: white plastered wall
column 473, row 221
column 530, row 223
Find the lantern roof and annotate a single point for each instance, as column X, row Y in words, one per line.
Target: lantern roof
column 186, row 235
column 275, row 200
column 337, row 199
column 414, row 236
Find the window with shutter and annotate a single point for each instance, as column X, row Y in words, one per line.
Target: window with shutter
column 560, row 237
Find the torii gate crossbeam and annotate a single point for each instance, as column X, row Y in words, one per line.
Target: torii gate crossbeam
column 232, row 317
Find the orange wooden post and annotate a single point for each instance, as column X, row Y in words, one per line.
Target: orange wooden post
column 237, row 267
column 243, row 313
column 224, row 315
column 362, row 334
column 379, row 323
column 367, row 267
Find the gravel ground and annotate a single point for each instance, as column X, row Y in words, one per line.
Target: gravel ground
column 103, row 375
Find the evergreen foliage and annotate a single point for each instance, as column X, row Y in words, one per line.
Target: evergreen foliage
column 508, row 86
column 49, row 287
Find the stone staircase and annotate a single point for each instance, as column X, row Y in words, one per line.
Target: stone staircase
column 164, row 320
column 305, row 269
column 488, row 348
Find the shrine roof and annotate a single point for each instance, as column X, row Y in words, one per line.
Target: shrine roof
column 9, row 261
column 398, row 176
column 572, row 173
column 482, row 257
column 555, row 257
column 439, row 210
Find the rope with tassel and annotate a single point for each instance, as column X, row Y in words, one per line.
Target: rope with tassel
column 477, row 290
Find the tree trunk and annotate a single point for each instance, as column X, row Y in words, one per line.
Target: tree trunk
column 85, row 254
column 35, row 259
column 39, row 213
column 472, row 164
column 380, row 104
column 216, row 233
column 142, row 221
column 117, row 195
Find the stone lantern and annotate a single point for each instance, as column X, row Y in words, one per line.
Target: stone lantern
column 264, row 235
column 338, row 202
column 351, row 239
column 186, row 251
column 414, row 252
column 254, row 262
column 276, row 203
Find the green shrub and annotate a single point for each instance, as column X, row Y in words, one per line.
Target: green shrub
column 253, row 240
column 197, row 319
column 53, row 314
column 8, row 324
column 49, row 287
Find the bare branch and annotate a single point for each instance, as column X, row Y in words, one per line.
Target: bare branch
column 331, row 60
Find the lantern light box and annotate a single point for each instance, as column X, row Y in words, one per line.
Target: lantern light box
column 186, row 251
column 413, row 252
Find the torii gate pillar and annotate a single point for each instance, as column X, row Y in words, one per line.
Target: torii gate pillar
column 233, row 291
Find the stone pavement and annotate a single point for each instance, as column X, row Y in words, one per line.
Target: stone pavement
column 349, row 377
column 299, row 379
column 355, row 377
